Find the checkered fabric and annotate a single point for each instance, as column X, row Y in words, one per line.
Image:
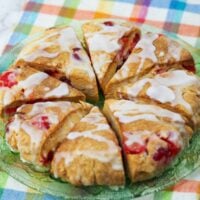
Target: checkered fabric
column 178, row 16
column 181, row 17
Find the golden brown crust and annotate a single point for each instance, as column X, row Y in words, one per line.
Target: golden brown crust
column 176, row 90
column 153, row 126
column 59, row 53
column 90, row 155
column 152, row 50
column 150, row 136
column 37, row 129
column 28, row 85
column 109, row 49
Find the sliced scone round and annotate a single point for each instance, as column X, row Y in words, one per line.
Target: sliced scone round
column 151, row 137
column 59, row 53
column 152, row 49
column 109, row 44
column 90, row 155
column 23, row 84
column 177, row 90
column 36, row 129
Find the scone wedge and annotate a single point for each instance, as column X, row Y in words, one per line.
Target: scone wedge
column 59, row 53
column 151, row 136
column 90, row 155
column 177, row 90
column 109, row 44
column 37, row 129
column 23, row 84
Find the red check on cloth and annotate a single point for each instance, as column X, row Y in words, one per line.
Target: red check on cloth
column 180, row 17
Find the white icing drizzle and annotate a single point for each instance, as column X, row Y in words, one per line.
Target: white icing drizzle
column 140, row 137
column 28, row 85
column 166, row 95
column 167, row 87
column 34, row 133
column 109, row 155
column 174, row 50
column 9, row 96
column 60, row 91
column 101, row 43
column 100, row 63
column 32, row 81
column 37, row 108
column 25, row 122
column 126, row 112
column 13, row 126
column 128, row 118
column 107, row 38
column 83, row 64
column 66, row 40
column 148, row 50
column 136, row 137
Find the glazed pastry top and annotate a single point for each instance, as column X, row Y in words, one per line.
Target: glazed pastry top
column 97, row 126
column 37, row 120
column 129, row 111
column 166, row 87
column 104, row 36
column 103, row 41
column 54, row 42
column 25, row 83
column 151, row 49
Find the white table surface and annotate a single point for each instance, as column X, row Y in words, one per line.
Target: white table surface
column 10, row 13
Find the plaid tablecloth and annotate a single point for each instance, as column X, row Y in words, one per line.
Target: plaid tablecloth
column 181, row 17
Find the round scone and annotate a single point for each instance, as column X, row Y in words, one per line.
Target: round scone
column 59, row 53
column 23, row 84
column 90, row 155
column 151, row 137
column 109, row 44
column 36, row 129
column 154, row 111
column 152, row 49
column 177, row 90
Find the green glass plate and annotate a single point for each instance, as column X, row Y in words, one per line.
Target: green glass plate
column 186, row 163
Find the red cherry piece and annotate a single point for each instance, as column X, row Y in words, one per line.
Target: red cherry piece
column 10, row 111
column 160, row 154
column 54, row 73
column 135, row 148
column 109, row 23
column 76, row 56
column 167, row 153
column 66, row 80
column 76, row 49
column 8, row 79
column 190, row 68
column 124, row 39
column 173, row 149
column 41, row 122
column 160, row 70
column 135, row 40
column 47, row 160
